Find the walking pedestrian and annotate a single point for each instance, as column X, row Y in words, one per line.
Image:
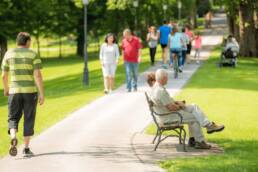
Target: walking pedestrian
column 24, row 67
column 163, row 33
column 208, row 18
column 190, row 35
column 186, row 41
column 109, row 56
column 131, row 48
column 197, row 46
column 152, row 38
column 172, row 24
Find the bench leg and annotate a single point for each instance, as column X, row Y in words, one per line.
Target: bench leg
column 153, row 141
column 159, row 140
column 184, row 137
column 180, row 136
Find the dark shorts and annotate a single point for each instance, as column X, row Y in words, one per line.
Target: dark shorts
column 189, row 48
column 163, row 46
column 17, row 105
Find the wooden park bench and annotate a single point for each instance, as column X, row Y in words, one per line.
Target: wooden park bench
column 176, row 127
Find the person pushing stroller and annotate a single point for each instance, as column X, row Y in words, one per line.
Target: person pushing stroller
column 230, row 52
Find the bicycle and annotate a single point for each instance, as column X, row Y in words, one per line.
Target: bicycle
column 175, row 56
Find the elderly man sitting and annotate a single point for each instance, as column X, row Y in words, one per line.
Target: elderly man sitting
column 192, row 114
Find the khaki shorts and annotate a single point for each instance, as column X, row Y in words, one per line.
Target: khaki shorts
column 109, row 70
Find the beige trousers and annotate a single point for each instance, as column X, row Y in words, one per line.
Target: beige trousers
column 195, row 118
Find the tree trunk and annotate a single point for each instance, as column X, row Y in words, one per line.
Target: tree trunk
column 38, row 45
column 248, row 39
column 236, row 31
column 117, row 19
column 231, row 24
column 256, row 30
column 193, row 13
column 60, row 46
column 47, row 47
column 3, row 47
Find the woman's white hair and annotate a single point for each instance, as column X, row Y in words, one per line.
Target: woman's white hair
column 160, row 74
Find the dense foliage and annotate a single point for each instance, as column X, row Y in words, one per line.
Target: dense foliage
column 60, row 18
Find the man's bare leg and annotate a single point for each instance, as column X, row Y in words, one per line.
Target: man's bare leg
column 27, row 141
column 26, row 151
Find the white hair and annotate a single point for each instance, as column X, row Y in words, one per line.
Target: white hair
column 160, row 74
column 127, row 31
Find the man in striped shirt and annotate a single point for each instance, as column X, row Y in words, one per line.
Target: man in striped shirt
column 24, row 67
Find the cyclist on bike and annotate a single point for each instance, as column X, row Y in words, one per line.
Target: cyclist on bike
column 175, row 43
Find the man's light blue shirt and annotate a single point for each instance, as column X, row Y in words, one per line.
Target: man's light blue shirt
column 175, row 40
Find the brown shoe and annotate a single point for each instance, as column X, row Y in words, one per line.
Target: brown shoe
column 191, row 142
column 202, row 145
column 214, row 128
column 13, row 150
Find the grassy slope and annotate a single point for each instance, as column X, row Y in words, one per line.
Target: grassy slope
column 229, row 96
column 64, row 91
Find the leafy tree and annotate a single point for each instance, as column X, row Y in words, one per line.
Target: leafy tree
column 242, row 17
column 64, row 17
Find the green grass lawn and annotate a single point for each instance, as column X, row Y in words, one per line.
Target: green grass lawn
column 64, row 91
column 49, row 47
column 228, row 96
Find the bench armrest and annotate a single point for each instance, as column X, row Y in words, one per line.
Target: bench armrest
column 171, row 113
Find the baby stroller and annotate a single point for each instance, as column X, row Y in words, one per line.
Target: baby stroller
column 230, row 53
column 228, row 58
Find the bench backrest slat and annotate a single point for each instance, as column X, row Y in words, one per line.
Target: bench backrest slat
column 151, row 104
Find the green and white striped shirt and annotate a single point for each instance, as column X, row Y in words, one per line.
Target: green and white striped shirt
column 21, row 62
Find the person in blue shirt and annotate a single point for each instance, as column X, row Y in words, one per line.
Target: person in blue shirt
column 163, row 33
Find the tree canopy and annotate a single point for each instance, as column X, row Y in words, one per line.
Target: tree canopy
column 58, row 18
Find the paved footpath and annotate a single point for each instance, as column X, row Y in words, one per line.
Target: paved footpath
column 107, row 135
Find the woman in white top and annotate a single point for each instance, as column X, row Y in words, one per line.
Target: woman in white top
column 152, row 38
column 109, row 55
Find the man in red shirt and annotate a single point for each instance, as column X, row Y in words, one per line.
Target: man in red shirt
column 131, row 48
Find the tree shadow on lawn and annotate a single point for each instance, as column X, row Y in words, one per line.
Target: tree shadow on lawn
column 243, row 77
column 62, row 85
column 71, row 84
column 68, row 60
column 54, row 62
column 239, row 156
column 68, row 85
column 73, row 59
column 3, row 99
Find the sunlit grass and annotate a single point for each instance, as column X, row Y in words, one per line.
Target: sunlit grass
column 228, row 96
